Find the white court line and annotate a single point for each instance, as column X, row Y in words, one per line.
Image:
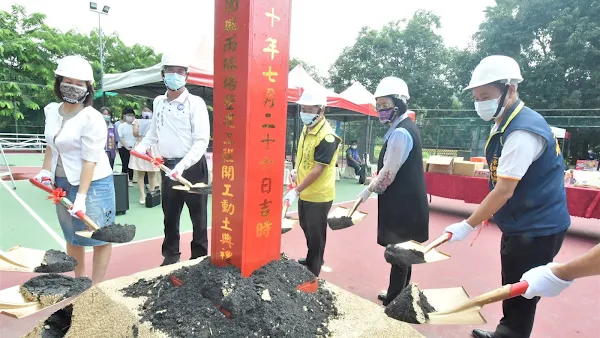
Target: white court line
column 208, row 228
column 44, row 225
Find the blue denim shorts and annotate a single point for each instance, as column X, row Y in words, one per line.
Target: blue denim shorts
column 100, row 207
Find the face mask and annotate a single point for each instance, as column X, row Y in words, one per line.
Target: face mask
column 385, row 116
column 106, row 118
column 308, row 119
column 487, row 109
column 174, row 81
column 72, row 93
column 147, row 114
column 354, row 147
column 129, row 118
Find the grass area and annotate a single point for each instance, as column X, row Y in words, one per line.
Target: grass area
column 19, row 227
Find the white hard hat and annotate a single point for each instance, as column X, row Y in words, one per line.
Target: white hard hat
column 75, row 67
column 495, row 68
column 392, row 86
column 175, row 59
column 313, row 98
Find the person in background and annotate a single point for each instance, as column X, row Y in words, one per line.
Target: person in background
column 143, row 167
column 181, row 127
column 75, row 160
column 403, row 210
column 111, row 137
column 551, row 279
column 591, row 155
column 119, row 145
column 125, row 131
column 527, row 193
column 315, row 176
column 353, row 158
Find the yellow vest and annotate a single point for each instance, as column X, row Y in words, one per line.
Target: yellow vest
column 323, row 189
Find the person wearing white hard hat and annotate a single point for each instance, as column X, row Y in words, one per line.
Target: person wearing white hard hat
column 315, row 176
column 551, row 279
column 527, row 194
column 75, row 161
column 403, row 211
column 181, row 127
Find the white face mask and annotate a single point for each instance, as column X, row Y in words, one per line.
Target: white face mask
column 129, row 119
column 308, row 119
column 354, row 147
column 487, row 109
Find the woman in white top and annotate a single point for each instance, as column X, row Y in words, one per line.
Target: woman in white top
column 125, row 131
column 75, row 161
column 140, row 127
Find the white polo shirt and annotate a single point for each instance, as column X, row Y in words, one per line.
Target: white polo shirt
column 182, row 126
column 83, row 137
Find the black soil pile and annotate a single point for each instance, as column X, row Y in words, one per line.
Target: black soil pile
column 338, row 223
column 411, row 306
column 218, row 302
column 58, row 324
column 52, row 288
column 399, row 256
column 56, row 262
column 115, row 233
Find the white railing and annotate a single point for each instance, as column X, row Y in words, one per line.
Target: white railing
column 20, row 142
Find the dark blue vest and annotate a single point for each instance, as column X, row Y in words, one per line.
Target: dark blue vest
column 538, row 206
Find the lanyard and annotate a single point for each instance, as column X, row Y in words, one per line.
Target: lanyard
column 510, row 118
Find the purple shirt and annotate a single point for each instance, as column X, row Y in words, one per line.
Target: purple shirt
column 111, row 142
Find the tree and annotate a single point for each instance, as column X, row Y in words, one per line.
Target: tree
column 558, row 48
column 29, row 50
column 310, row 69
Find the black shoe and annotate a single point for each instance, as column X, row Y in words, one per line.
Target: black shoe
column 303, row 261
column 382, row 296
column 481, row 334
column 170, row 260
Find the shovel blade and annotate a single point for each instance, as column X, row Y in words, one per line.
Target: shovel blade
column 20, row 259
column 287, row 224
column 86, row 234
column 432, row 256
column 449, row 298
column 341, row 211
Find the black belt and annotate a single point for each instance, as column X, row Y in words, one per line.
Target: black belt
column 172, row 160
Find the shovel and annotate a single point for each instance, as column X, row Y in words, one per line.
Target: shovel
column 20, row 259
column 346, row 220
column 468, row 312
column 114, row 233
column 412, row 252
column 198, row 188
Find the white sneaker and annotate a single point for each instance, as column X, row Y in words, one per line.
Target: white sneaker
column 130, row 184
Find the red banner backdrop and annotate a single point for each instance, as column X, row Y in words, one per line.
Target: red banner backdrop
column 250, row 108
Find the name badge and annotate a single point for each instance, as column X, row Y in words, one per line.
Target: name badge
column 180, row 107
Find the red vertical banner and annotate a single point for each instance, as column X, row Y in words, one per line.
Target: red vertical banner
column 250, row 108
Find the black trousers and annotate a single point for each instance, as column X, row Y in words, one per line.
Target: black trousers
column 399, row 279
column 172, row 205
column 518, row 255
column 125, row 155
column 313, row 221
column 111, row 159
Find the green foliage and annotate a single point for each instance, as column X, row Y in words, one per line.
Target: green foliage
column 29, row 50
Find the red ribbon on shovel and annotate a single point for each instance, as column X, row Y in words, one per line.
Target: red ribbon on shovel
column 56, row 195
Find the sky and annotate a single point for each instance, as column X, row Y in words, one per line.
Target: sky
column 320, row 28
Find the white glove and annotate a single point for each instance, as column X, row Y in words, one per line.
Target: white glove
column 543, row 283
column 293, row 175
column 140, row 149
column 459, row 231
column 364, row 195
column 78, row 205
column 44, row 176
column 291, row 196
column 177, row 171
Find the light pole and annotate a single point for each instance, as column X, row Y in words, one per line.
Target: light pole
column 104, row 11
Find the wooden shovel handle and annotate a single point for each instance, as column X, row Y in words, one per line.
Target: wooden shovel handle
column 163, row 167
column 68, row 204
column 437, row 242
column 505, row 292
column 354, row 207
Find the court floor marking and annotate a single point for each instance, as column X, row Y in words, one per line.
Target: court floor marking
column 33, row 214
